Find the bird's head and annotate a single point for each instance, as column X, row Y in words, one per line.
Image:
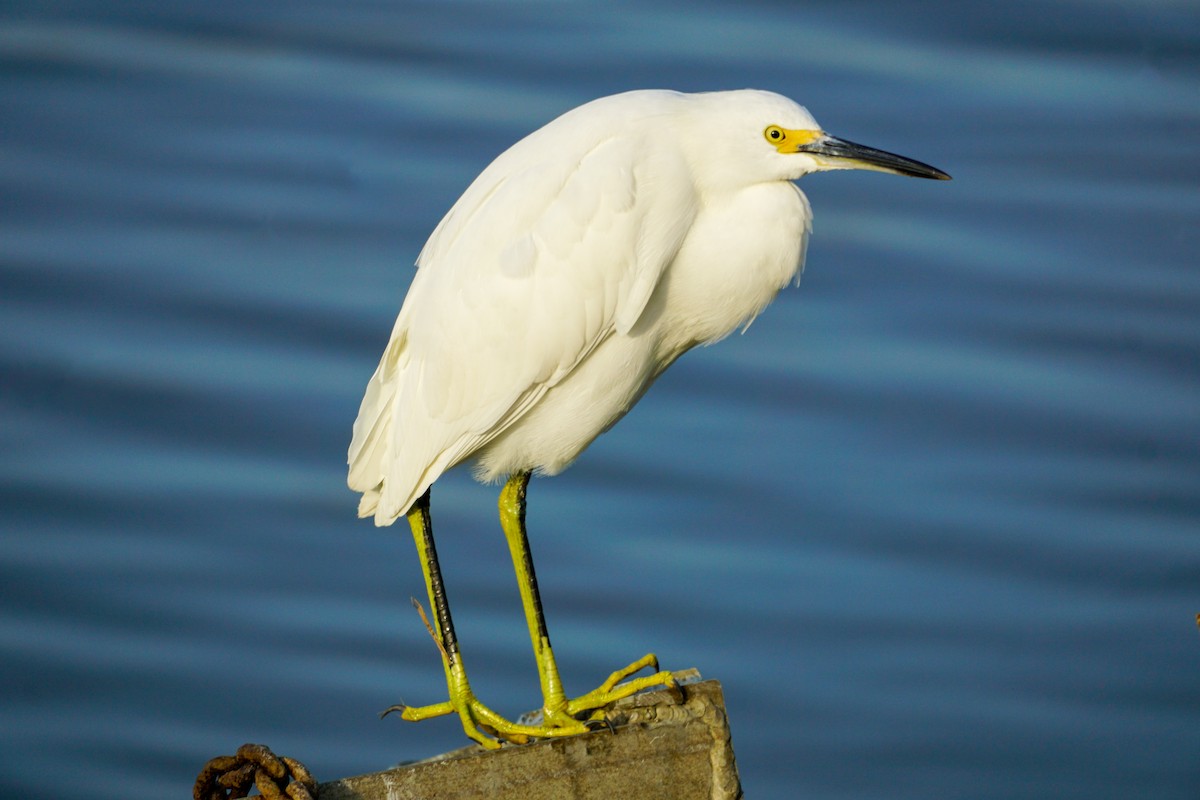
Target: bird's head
column 760, row 136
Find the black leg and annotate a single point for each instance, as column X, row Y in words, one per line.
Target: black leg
column 423, row 535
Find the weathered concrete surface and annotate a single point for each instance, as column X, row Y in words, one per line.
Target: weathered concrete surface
column 661, row 750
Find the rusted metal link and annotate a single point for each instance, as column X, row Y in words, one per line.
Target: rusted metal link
column 254, row 766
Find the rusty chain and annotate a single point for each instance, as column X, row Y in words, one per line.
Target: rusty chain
column 254, row 766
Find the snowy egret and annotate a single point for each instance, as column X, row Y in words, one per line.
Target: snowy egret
column 575, row 269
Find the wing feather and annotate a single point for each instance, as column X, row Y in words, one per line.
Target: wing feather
column 537, row 263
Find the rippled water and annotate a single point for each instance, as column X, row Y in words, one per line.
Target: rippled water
column 933, row 521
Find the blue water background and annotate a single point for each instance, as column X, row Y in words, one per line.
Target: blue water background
column 933, row 521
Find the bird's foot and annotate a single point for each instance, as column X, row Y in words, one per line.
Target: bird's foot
column 594, row 702
column 559, row 716
column 479, row 722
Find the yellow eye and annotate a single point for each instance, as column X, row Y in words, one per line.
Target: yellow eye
column 775, row 134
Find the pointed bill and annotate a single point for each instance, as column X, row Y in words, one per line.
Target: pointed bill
column 841, row 154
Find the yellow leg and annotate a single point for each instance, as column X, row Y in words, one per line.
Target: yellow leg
column 477, row 719
column 559, row 714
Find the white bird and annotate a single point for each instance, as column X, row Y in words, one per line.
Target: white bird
column 576, row 268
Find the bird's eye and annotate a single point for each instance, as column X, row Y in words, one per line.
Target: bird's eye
column 774, row 134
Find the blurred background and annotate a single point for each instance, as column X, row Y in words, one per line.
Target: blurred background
column 933, row 521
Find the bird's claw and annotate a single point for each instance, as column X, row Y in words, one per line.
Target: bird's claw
column 399, row 708
column 583, row 714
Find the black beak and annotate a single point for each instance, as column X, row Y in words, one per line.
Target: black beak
column 857, row 156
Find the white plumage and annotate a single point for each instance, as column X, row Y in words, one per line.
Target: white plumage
column 575, row 269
